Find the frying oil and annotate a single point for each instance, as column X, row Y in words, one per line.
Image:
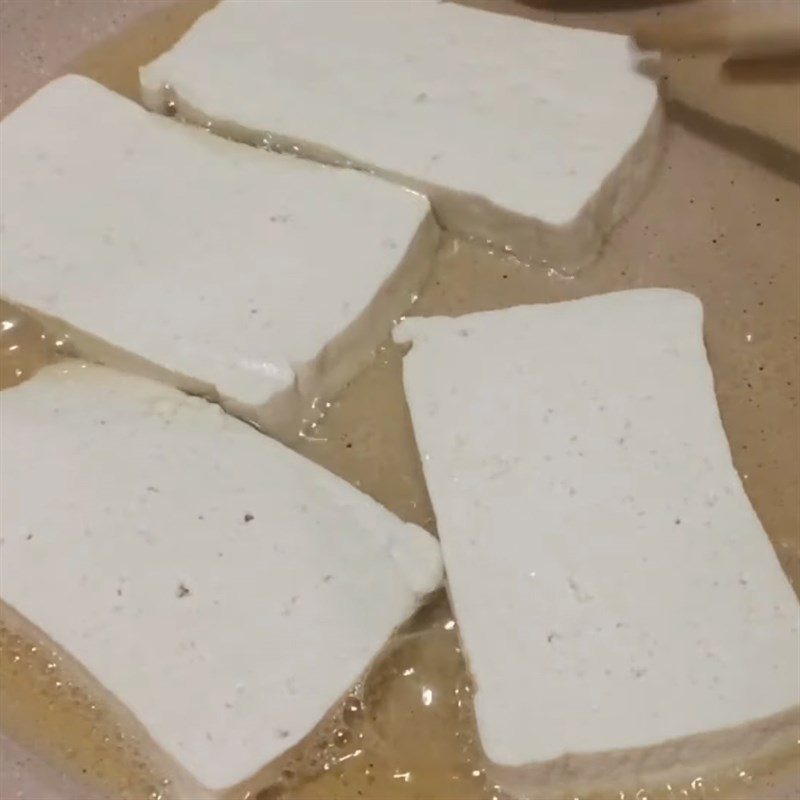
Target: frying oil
column 716, row 222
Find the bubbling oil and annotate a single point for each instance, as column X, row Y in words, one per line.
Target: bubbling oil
column 38, row 695
column 716, row 223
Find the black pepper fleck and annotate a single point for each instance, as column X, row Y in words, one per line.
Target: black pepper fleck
column 183, row 590
column 248, row 517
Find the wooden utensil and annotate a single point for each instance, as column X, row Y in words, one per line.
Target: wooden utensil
column 749, row 29
column 738, row 62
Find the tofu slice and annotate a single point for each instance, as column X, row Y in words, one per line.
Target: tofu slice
column 534, row 136
column 614, row 588
column 223, row 591
column 259, row 280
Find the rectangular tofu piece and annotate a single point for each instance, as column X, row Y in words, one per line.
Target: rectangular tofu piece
column 614, row 587
column 259, row 280
column 222, row 591
column 533, row 136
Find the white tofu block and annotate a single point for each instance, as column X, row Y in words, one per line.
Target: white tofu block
column 534, row 136
column 256, row 279
column 221, row 589
column 613, row 586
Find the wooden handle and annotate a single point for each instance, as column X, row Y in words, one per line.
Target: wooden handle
column 750, row 29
